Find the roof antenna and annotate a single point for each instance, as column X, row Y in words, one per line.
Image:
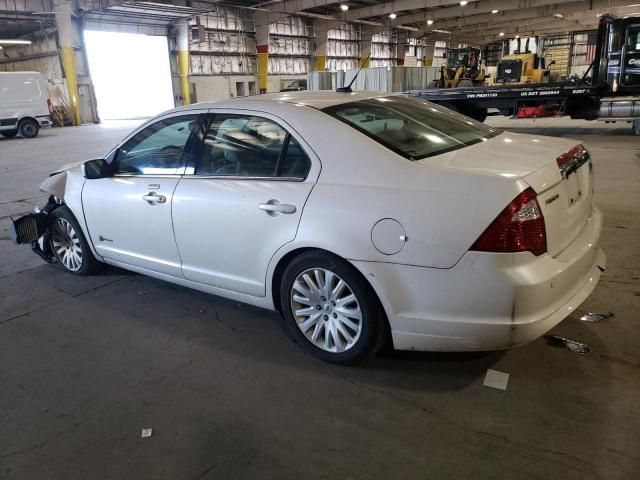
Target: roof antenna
column 347, row 89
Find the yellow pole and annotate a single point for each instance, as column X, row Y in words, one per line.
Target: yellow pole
column 68, row 61
column 183, row 71
column 183, row 61
column 64, row 24
column 263, row 67
column 321, row 63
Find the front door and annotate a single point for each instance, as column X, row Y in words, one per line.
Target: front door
column 129, row 214
column 243, row 201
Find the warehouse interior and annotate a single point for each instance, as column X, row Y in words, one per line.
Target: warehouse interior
column 121, row 375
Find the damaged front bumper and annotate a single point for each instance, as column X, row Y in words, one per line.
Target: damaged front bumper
column 34, row 229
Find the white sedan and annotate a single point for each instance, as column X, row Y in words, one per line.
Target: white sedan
column 360, row 217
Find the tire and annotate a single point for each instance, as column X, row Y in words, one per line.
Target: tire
column 69, row 245
column 28, row 128
column 465, row 82
column 325, row 328
column 9, row 133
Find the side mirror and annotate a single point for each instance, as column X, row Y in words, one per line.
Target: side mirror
column 93, row 169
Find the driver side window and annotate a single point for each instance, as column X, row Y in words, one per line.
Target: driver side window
column 158, row 149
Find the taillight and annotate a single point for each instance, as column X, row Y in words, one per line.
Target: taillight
column 570, row 155
column 518, row 228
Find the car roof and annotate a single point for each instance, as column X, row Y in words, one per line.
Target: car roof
column 314, row 99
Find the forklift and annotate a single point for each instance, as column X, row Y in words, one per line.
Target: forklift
column 463, row 69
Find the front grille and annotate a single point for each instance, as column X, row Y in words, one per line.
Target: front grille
column 509, row 71
column 25, row 229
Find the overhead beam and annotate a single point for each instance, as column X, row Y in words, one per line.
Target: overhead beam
column 574, row 7
column 587, row 19
column 574, row 26
column 386, row 8
column 472, row 9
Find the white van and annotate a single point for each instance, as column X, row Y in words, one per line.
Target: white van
column 24, row 104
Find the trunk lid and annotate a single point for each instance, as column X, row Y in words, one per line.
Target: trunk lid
column 565, row 196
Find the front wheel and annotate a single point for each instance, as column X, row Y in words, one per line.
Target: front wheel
column 28, row 128
column 330, row 308
column 69, row 244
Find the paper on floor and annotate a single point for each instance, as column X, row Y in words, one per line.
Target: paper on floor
column 496, row 379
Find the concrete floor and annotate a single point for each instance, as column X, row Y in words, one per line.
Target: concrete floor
column 86, row 363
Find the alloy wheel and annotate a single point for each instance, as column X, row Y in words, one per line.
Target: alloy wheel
column 326, row 310
column 66, row 244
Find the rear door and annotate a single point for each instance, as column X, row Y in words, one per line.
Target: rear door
column 243, row 199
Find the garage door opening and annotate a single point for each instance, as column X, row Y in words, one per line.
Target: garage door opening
column 130, row 73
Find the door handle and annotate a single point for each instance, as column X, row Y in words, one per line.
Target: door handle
column 274, row 206
column 153, row 198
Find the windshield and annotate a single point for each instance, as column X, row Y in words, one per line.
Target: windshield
column 413, row 128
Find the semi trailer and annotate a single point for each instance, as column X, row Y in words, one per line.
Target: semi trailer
column 609, row 90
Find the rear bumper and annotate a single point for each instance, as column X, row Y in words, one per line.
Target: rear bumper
column 487, row 301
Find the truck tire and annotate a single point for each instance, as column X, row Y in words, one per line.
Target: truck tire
column 28, row 128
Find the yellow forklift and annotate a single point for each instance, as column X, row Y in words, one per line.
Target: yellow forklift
column 463, row 69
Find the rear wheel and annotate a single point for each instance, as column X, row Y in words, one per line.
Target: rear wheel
column 9, row 133
column 330, row 308
column 28, row 128
column 69, row 245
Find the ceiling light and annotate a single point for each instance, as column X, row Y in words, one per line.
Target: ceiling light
column 392, row 16
column 344, row 7
column 15, row 42
column 501, row 34
column 494, row 11
column 429, row 22
column 558, row 15
column 517, row 36
column 463, row 2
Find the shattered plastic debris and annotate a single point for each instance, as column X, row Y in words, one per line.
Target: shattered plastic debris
column 146, row 432
column 496, row 379
column 562, row 342
column 597, row 317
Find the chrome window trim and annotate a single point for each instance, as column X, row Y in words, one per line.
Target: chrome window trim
column 242, row 177
column 150, row 175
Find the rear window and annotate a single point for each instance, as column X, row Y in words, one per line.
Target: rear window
column 410, row 127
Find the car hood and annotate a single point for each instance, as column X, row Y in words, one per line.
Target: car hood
column 510, row 155
column 66, row 167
